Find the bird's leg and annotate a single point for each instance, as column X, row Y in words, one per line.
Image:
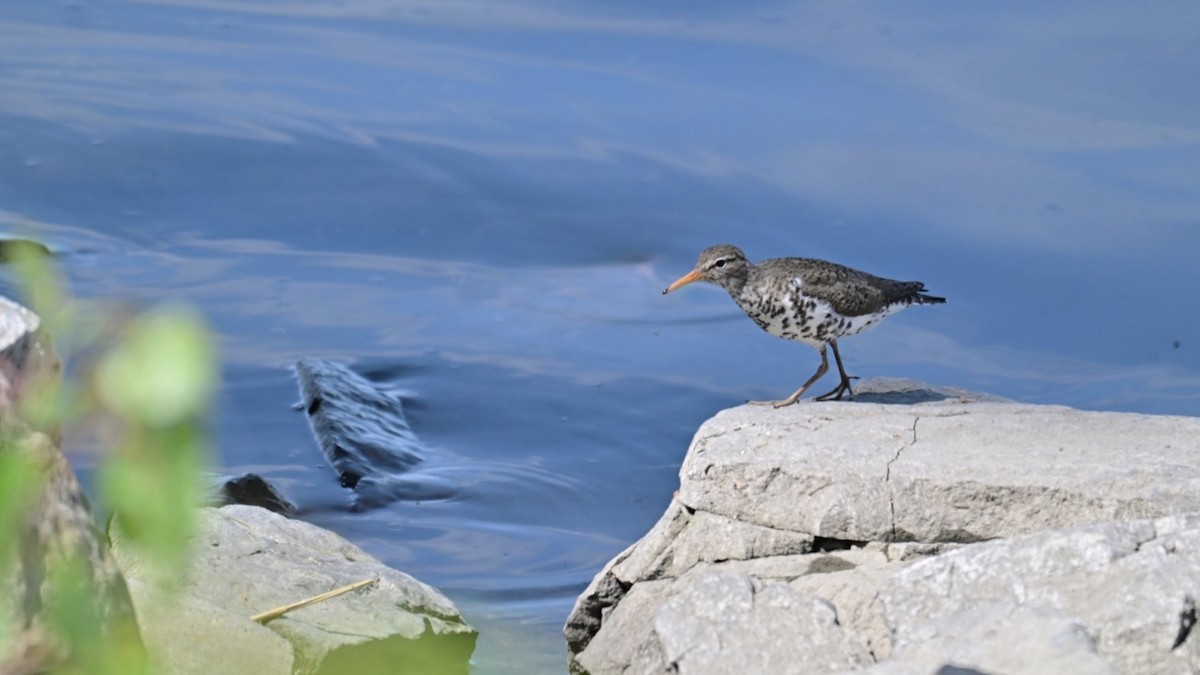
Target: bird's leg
column 843, row 386
column 824, row 367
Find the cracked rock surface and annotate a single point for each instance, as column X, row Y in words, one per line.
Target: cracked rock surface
column 914, row 528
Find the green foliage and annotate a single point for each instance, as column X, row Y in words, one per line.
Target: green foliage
column 19, row 481
column 157, row 380
column 150, row 483
column 161, row 374
column 73, row 618
column 144, row 384
column 42, row 283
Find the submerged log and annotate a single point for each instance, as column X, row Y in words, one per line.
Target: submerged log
column 365, row 435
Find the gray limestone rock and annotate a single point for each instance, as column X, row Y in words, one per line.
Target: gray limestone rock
column 920, row 530
column 1131, row 586
column 725, row 622
column 850, row 581
column 702, row 537
column 997, row 638
column 626, row 644
column 942, row 471
column 680, row 541
column 716, row 620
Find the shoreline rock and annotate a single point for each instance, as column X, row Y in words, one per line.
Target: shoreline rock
column 57, row 525
column 249, row 560
column 936, row 527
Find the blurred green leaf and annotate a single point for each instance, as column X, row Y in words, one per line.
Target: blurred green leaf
column 152, row 486
column 74, row 612
column 42, row 282
column 45, row 402
column 150, row 388
column 20, row 479
column 162, row 373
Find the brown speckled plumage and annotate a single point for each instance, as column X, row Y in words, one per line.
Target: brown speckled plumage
column 806, row 300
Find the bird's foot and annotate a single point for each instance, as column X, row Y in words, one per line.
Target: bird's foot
column 842, row 388
column 776, row 404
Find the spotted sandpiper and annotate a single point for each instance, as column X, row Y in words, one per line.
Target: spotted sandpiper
column 806, row 300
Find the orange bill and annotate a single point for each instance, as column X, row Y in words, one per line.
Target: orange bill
column 684, row 280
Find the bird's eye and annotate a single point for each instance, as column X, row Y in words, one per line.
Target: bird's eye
column 720, row 263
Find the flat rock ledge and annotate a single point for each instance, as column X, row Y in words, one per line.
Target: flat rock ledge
column 916, row 530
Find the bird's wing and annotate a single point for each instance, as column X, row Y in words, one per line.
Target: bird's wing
column 851, row 292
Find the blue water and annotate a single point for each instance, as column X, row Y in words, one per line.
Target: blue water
column 478, row 205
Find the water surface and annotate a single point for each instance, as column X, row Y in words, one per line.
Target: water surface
column 478, row 206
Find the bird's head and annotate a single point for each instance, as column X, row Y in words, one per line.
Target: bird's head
column 720, row 264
